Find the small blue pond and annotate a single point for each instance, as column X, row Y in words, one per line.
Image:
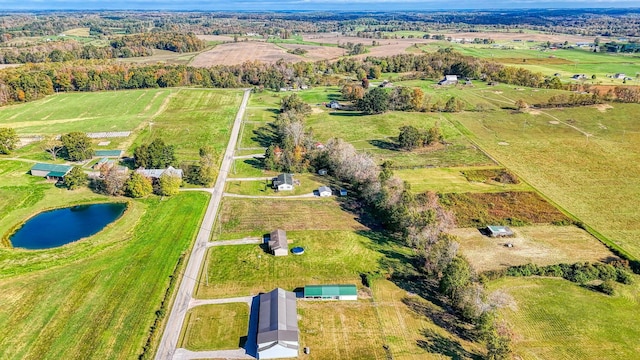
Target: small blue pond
column 297, row 250
column 61, row 226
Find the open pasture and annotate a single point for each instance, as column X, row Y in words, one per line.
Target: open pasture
column 451, row 180
column 243, row 217
column 540, row 245
column 88, row 112
column 95, row 298
column 588, row 176
column 557, row 319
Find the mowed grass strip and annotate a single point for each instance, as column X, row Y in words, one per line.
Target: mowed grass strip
column 330, row 257
column 90, row 304
column 503, row 208
column 258, row 216
column 215, row 327
column 557, row 319
column 86, row 111
column 540, row 245
column 589, row 177
column 194, row 118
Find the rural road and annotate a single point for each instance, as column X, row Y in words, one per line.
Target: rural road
column 251, row 156
column 243, row 299
column 246, row 241
column 184, row 354
column 184, row 295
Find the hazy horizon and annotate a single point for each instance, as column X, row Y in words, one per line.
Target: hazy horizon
column 311, row 5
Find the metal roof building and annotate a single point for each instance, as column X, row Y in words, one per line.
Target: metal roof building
column 50, row 170
column 283, row 182
column 108, row 153
column 331, row 292
column 499, row 231
column 157, row 173
column 278, row 334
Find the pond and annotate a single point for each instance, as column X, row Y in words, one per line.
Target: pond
column 57, row 227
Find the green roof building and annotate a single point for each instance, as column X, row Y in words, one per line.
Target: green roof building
column 331, row 292
column 108, row 153
column 50, row 171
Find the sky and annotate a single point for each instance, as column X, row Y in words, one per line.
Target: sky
column 343, row 5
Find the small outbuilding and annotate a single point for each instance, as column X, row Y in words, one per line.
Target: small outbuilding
column 278, row 333
column 331, row 292
column 322, row 172
column 499, row 231
column 50, row 171
column 333, row 104
column 449, row 80
column 343, row 192
column 324, row 191
column 278, row 243
column 283, row 182
column 108, row 153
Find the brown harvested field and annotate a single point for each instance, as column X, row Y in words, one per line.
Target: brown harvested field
column 504, row 208
column 240, row 52
column 509, row 36
column 387, row 47
column 316, row 52
column 541, row 245
column 263, row 215
column 215, row 37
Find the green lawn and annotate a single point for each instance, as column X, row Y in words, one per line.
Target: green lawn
column 589, row 177
column 215, row 327
column 308, row 183
column 95, row 298
column 330, row 257
column 88, row 112
column 557, row 319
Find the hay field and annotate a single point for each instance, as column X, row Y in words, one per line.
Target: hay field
column 556, row 319
column 316, row 52
column 240, row 52
column 590, row 177
column 540, row 245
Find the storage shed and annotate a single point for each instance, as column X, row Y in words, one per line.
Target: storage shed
column 50, row 171
column 499, row 231
column 278, row 334
column 324, row 191
column 278, row 243
column 331, row 292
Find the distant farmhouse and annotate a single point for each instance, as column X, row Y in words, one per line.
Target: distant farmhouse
column 449, row 80
column 619, row 76
column 283, row 182
column 50, row 171
column 331, row 292
column 278, row 243
column 324, row 191
column 333, row 104
column 155, row 174
column 278, row 334
column 579, row 76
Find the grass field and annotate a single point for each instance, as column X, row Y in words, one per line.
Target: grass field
column 89, row 112
column 195, row 118
column 451, row 180
column 330, row 257
column 540, row 245
column 589, row 177
column 557, row 319
column 95, row 298
column 215, row 327
column 243, row 217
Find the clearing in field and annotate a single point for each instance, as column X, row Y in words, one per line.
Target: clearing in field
column 215, row 327
column 503, row 208
column 240, row 52
column 557, row 319
column 589, row 177
column 253, row 217
column 540, row 245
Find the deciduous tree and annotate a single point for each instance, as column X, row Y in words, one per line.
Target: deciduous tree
column 8, row 140
column 75, row 178
column 77, row 146
column 138, row 186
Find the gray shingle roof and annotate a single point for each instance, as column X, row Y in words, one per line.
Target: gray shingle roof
column 278, row 240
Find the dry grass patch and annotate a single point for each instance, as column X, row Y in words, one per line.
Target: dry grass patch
column 263, row 215
column 240, row 52
column 540, row 245
column 343, row 329
column 215, row 327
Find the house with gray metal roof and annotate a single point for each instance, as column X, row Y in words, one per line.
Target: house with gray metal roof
column 283, row 182
column 499, row 231
column 331, row 292
column 278, row 334
column 278, row 243
column 324, row 191
column 449, row 80
column 50, row 171
column 157, row 173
